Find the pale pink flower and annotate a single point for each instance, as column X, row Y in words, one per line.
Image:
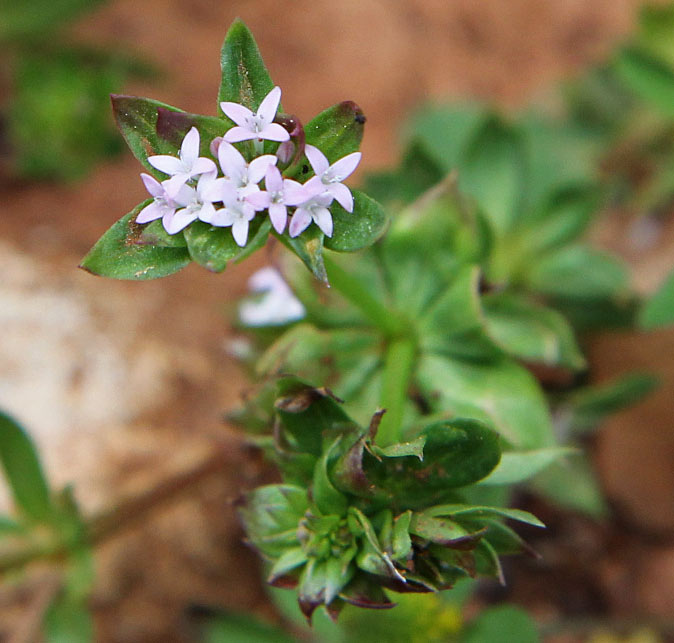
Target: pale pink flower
column 243, row 176
column 257, row 126
column 237, row 213
column 329, row 177
column 164, row 207
column 275, row 303
column 186, row 167
column 315, row 209
column 278, row 194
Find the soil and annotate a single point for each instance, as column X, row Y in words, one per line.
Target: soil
column 124, row 384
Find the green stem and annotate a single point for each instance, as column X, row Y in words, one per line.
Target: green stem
column 355, row 292
column 400, row 355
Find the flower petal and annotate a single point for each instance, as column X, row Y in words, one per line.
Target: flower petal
column 176, row 221
column 274, row 132
column 269, row 105
column 166, row 164
column 206, row 212
column 317, row 159
column 154, row 187
column 202, row 165
column 238, row 134
column 240, row 232
column 223, row 217
column 258, row 167
column 345, row 166
column 323, row 220
column 285, row 151
column 237, row 113
column 174, row 184
column 151, row 212
column 189, row 150
column 259, row 200
column 299, row 223
column 278, row 215
column 342, row 194
column 273, row 181
column 231, row 161
column 215, row 144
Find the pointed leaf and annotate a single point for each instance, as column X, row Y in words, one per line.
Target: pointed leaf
column 154, row 234
column 209, row 246
column 358, row 229
column 245, row 79
column 309, row 248
column 23, row 471
column 327, row 498
column 475, row 513
column 117, row 254
column 658, row 311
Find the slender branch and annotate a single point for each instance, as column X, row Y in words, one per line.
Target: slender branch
column 355, row 292
column 109, row 522
column 398, row 364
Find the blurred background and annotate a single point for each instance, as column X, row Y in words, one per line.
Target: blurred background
column 125, row 384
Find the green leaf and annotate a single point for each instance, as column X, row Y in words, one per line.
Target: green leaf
column 137, row 121
column 413, row 447
column 23, row 471
column 588, row 407
column 500, row 392
column 658, row 311
column 358, row 229
column 456, row 453
column 472, row 513
column 233, row 627
column 327, row 498
column 154, row 234
column 518, row 466
column 118, row 255
column 245, row 78
column 309, row 248
column 648, row 77
column 502, row 623
column 493, row 171
column 336, row 131
column 210, row 246
column 531, row 332
column 579, row 272
column 9, row 526
column 69, row 621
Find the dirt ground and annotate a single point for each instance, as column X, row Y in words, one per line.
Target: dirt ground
column 124, row 384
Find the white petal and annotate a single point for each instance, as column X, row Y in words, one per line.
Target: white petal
column 189, row 150
column 202, row 165
column 223, row 217
column 240, row 232
column 269, row 105
column 323, row 220
column 154, row 187
column 237, row 113
column 274, row 132
column 273, row 181
column 299, row 223
column 166, row 164
column 345, row 166
column 178, row 220
column 258, row 167
column 259, row 200
column 215, row 144
column 151, row 212
column 278, row 215
column 175, row 184
column 342, row 194
column 206, row 212
column 317, row 159
column 231, row 161
column 238, row 134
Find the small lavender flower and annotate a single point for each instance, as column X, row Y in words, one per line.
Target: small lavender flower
column 184, row 168
column 277, row 304
column 200, row 205
column 256, row 126
column 243, row 176
column 329, row 177
column 315, row 209
column 237, row 213
column 278, row 194
column 163, row 207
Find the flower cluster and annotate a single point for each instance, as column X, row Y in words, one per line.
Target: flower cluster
column 195, row 191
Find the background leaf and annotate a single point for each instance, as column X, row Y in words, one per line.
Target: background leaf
column 23, row 471
column 658, row 311
column 358, row 229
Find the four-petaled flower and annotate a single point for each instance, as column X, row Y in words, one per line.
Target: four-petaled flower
column 278, row 194
column 237, row 213
column 186, row 167
column 316, row 209
column 164, row 207
column 329, row 177
column 277, row 304
column 256, row 126
column 243, row 176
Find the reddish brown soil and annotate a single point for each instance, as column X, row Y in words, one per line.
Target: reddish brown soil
column 387, row 56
